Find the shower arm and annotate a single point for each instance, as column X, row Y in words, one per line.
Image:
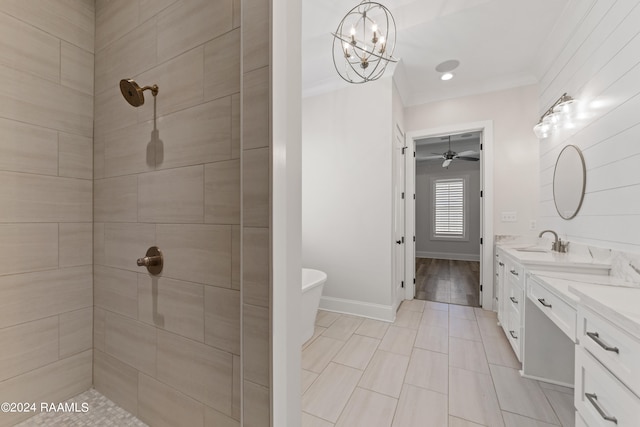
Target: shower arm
column 153, row 89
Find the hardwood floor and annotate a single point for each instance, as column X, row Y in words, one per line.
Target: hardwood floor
column 448, row 281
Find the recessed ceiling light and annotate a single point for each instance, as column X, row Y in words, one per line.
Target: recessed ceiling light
column 446, row 66
column 446, row 76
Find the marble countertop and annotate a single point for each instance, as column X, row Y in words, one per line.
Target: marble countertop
column 620, row 305
column 531, row 257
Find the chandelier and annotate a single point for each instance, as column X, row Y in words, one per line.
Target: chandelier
column 364, row 42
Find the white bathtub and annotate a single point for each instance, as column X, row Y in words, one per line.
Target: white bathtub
column 312, row 284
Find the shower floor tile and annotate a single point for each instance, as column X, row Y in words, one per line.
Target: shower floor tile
column 102, row 412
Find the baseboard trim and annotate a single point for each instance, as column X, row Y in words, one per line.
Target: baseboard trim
column 447, row 255
column 358, row 308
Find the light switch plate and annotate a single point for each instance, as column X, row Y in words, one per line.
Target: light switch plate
column 509, row 216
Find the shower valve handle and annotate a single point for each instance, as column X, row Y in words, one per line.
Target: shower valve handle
column 152, row 260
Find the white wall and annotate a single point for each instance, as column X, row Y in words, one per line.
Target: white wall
column 516, row 150
column 346, row 195
column 599, row 64
column 467, row 249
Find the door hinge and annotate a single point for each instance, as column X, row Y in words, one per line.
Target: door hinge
column 414, row 154
column 414, row 238
column 402, row 284
column 414, row 196
column 402, row 239
column 480, row 288
column 481, row 146
column 481, row 193
column 414, row 280
column 403, row 194
column 481, row 240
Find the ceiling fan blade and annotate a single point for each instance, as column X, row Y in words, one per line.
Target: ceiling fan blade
column 430, row 157
column 446, row 163
column 468, row 153
column 472, row 159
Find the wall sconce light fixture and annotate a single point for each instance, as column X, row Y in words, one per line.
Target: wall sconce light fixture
column 364, row 42
column 557, row 116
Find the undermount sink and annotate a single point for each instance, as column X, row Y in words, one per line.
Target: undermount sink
column 533, row 249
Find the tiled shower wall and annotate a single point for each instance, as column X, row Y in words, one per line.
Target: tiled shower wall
column 46, row 128
column 167, row 348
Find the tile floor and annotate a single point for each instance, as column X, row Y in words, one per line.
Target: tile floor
column 437, row 365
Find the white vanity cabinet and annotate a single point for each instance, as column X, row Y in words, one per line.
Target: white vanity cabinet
column 510, row 299
column 607, row 372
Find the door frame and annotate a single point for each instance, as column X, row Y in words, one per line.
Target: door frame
column 399, row 136
column 486, row 204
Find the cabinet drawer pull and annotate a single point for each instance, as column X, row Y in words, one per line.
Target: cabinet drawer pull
column 594, row 401
column 513, row 334
column 513, row 300
column 543, row 302
column 515, row 273
column 596, row 337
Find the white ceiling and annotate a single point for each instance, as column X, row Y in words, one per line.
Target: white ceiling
column 427, row 147
column 496, row 42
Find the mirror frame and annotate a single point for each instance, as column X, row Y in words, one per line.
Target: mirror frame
column 584, row 181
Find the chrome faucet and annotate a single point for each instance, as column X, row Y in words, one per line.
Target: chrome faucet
column 558, row 245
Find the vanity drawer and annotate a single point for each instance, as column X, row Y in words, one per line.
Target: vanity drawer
column 600, row 398
column 615, row 349
column 515, row 297
column 514, row 271
column 561, row 313
column 514, row 330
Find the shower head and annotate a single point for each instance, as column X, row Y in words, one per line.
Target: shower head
column 134, row 93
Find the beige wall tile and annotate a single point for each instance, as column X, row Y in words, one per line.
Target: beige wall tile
column 235, row 257
column 113, row 19
column 197, row 135
column 72, row 21
column 172, row 305
column 112, row 113
column 76, row 68
column 132, row 53
column 76, row 331
column 196, row 253
column 196, row 369
column 21, row 98
column 98, row 243
column 235, row 126
column 255, row 194
column 76, row 156
column 27, row 148
column 27, row 247
column 125, row 243
column 255, row 341
column 255, row 26
column 174, row 195
column 235, row 395
column 98, row 158
column 160, row 405
column 180, row 81
column 150, row 8
column 28, row 346
column 257, row 404
column 222, row 318
column 75, row 244
column 116, row 199
column 44, row 198
column 256, row 109
column 116, row 290
column 98, row 328
column 236, row 13
column 58, row 291
column 116, row 380
column 189, row 24
column 213, row 418
column 132, row 342
column 222, row 65
column 29, row 49
column 130, row 149
column 222, row 192
column 55, row 382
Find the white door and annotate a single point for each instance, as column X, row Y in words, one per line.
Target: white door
column 398, row 216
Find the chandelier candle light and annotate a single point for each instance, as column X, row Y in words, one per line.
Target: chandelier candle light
column 557, row 116
column 364, row 42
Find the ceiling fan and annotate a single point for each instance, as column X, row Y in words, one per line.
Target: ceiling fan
column 450, row 156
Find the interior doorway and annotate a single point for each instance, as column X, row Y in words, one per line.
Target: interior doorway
column 482, row 188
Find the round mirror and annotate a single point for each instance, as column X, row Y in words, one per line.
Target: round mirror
column 569, row 181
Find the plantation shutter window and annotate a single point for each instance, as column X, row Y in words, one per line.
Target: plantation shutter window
column 449, row 209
